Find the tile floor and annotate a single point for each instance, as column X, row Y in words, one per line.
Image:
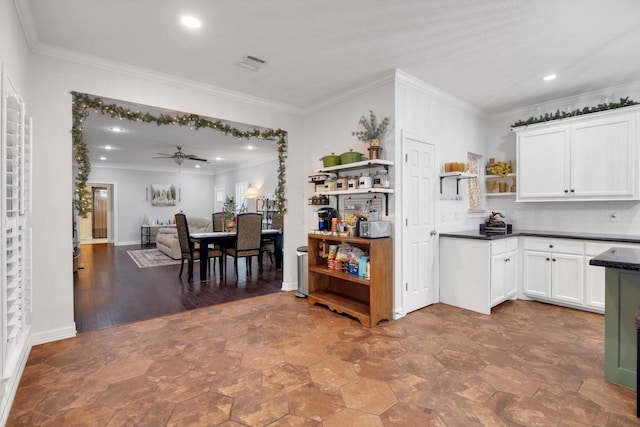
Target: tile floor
column 272, row 360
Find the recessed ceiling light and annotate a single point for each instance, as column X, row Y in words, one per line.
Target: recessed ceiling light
column 191, row 21
column 108, row 147
column 218, row 158
column 549, row 77
column 116, row 129
column 197, row 166
column 103, row 158
column 250, row 147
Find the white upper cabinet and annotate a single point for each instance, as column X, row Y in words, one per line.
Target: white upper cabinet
column 590, row 157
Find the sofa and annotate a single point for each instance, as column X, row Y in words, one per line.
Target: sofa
column 167, row 238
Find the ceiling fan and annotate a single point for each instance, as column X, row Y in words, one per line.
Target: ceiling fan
column 179, row 157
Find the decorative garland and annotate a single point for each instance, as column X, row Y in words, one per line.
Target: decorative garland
column 624, row 102
column 83, row 103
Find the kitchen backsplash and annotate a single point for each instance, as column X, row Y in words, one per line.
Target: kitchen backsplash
column 622, row 218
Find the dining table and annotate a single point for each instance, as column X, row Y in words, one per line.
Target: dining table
column 228, row 238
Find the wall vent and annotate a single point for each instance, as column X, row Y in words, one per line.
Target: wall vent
column 252, row 63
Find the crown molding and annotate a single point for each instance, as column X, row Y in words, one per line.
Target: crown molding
column 147, row 168
column 154, row 76
column 574, row 99
column 25, row 16
column 417, row 84
column 378, row 81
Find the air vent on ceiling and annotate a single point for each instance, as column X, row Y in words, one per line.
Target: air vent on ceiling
column 252, row 63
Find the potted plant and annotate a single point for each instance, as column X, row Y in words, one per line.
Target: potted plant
column 229, row 212
column 371, row 132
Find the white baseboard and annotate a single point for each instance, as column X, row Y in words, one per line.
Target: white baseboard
column 132, row 242
column 13, row 381
column 53, row 335
column 289, row 286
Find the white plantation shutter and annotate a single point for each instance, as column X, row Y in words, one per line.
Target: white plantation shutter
column 15, row 244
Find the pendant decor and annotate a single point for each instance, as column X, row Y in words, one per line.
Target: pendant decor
column 83, row 104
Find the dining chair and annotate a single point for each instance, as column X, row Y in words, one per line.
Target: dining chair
column 189, row 252
column 248, row 239
column 218, row 221
column 268, row 245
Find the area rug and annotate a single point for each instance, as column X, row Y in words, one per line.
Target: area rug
column 145, row 258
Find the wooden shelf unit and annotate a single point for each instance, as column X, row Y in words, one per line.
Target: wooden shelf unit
column 368, row 300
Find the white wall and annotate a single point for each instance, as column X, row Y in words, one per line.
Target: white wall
column 51, row 81
column 132, row 198
column 455, row 128
column 585, row 217
column 263, row 176
column 328, row 130
column 14, row 52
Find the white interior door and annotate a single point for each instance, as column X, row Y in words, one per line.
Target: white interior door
column 418, row 220
column 218, row 204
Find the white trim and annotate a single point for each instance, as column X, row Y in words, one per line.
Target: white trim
column 629, row 87
column 439, row 94
column 157, row 77
column 127, row 243
column 53, row 335
column 381, row 80
column 13, row 381
column 289, row 286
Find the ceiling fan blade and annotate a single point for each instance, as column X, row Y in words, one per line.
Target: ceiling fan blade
column 196, row 158
column 165, row 154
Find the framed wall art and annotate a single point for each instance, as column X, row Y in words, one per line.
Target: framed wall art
column 163, row 195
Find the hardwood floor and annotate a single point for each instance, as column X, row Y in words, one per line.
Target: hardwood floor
column 110, row 289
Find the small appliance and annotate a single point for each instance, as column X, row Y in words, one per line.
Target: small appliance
column 325, row 215
column 375, row 229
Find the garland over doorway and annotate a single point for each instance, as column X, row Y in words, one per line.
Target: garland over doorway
column 83, row 104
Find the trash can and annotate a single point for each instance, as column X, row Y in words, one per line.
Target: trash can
column 303, row 285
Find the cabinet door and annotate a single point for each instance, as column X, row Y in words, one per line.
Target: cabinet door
column 536, row 275
column 594, row 285
column 603, row 158
column 498, row 269
column 543, row 164
column 567, row 277
column 511, row 275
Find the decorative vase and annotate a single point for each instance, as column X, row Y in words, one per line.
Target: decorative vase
column 374, row 142
column 230, row 225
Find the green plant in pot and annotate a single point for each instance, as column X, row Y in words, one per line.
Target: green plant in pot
column 371, row 132
column 230, row 209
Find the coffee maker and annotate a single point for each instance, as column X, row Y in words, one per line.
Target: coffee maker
column 325, row 215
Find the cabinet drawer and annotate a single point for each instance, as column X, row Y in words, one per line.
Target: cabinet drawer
column 500, row 247
column 596, row 248
column 554, row 245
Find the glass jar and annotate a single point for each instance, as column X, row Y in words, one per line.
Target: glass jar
column 364, row 181
column 330, row 184
column 341, row 184
column 352, row 183
column 381, row 179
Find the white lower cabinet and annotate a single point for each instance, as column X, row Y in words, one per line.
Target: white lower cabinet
column 478, row 274
column 553, row 270
column 504, row 271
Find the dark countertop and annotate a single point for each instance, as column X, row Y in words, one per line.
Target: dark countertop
column 475, row 234
column 621, row 258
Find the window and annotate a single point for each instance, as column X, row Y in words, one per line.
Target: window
column 241, row 202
